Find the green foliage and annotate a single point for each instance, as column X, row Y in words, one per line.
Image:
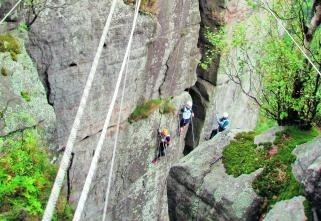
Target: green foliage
column 216, row 44
column 242, row 156
column 4, row 71
column 167, row 106
column 290, row 92
column 276, row 182
column 308, row 210
column 25, row 95
column 26, row 176
column 22, row 27
column 264, row 123
column 10, row 44
column 144, row 110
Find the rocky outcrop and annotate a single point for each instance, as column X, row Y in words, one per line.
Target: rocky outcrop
column 307, row 169
column 288, row 210
column 22, row 96
column 199, row 188
column 268, row 136
column 163, row 60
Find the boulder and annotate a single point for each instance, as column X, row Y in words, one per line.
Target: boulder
column 307, row 169
column 287, row 210
column 268, row 136
column 198, row 187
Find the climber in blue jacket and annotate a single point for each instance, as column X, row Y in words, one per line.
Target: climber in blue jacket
column 223, row 124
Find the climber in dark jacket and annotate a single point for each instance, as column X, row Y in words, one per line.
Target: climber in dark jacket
column 223, row 123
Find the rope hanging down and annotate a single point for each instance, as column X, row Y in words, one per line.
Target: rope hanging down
column 116, row 136
column 280, row 23
column 95, row 159
column 13, row 8
column 72, row 137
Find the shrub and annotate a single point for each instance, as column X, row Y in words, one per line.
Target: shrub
column 144, row 110
column 10, row 44
column 25, row 95
column 167, row 107
column 26, row 176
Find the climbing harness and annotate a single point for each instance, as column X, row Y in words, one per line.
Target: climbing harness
column 13, row 8
column 95, row 159
column 72, row 137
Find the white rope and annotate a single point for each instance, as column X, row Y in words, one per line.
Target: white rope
column 280, row 23
column 72, row 137
column 13, row 8
column 95, row 159
column 115, row 147
column 116, row 139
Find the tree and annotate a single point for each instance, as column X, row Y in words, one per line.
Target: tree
column 281, row 79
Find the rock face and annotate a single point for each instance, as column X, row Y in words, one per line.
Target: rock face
column 307, row 169
column 199, row 188
column 288, row 210
column 22, row 96
column 162, row 63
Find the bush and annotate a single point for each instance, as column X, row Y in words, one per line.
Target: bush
column 4, row 71
column 26, row 176
column 167, row 107
column 9, row 44
column 144, row 110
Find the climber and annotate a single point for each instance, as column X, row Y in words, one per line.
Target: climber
column 165, row 139
column 223, row 123
column 186, row 113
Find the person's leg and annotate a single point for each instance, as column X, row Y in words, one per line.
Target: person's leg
column 214, row 132
column 162, row 147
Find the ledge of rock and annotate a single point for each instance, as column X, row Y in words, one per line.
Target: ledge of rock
column 288, row 210
column 198, row 187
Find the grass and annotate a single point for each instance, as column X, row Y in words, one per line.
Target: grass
column 276, row 182
column 10, row 44
column 264, row 123
column 242, row 156
column 144, row 110
column 26, row 177
column 25, row 95
column 147, row 6
column 167, row 107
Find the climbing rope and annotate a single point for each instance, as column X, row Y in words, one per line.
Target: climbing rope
column 95, row 159
column 117, row 132
column 13, row 8
column 294, row 41
column 72, row 137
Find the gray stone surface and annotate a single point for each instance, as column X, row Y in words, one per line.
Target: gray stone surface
column 199, row 188
column 307, row 169
column 23, row 99
column 287, row 210
column 163, row 61
column 268, row 136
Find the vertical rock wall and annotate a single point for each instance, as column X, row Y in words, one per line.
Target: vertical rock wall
column 163, row 60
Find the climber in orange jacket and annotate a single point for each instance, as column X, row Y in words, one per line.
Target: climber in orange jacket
column 165, row 139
